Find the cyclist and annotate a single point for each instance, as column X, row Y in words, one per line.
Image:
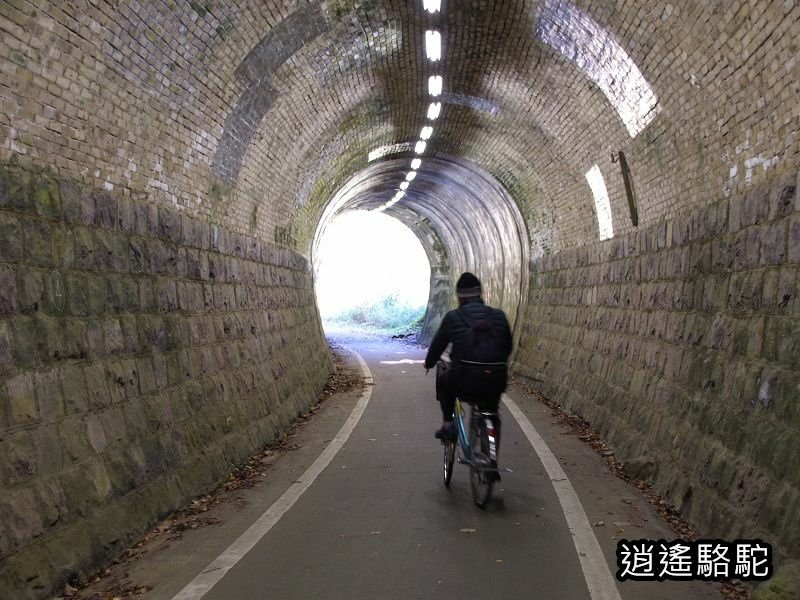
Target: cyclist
column 478, row 372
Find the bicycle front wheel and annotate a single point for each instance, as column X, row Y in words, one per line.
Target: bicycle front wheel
column 449, row 460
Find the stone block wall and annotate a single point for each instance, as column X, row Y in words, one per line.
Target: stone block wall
column 681, row 344
column 143, row 352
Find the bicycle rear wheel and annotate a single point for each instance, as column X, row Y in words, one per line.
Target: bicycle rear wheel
column 482, row 473
column 449, row 459
column 481, row 479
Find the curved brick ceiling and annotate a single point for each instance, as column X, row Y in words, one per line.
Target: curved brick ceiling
column 255, row 114
column 464, row 219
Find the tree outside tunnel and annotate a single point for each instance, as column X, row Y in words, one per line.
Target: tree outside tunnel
column 371, row 272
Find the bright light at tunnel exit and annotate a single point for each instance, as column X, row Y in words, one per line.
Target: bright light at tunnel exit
column 365, row 257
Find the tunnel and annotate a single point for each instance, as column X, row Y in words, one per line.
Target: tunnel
column 621, row 177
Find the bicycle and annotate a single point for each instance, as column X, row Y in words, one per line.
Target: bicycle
column 476, row 448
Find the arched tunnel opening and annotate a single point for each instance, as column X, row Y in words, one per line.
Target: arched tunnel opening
column 464, row 220
column 622, row 177
column 371, row 274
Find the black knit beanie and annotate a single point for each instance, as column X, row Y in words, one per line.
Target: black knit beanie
column 468, row 286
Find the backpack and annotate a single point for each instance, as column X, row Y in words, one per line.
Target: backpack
column 482, row 342
column 483, row 372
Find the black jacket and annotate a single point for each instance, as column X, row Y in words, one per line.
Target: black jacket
column 454, row 328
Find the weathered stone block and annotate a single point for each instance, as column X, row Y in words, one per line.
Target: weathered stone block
column 97, row 386
column 17, row 458
column 8, row 290
column 93, row 342
column 10, row 238
column 49, row 394
column 55, row 294
column 787, row 288
column 49, row 338
column 224, row 298
column 152, row 333
column 77, row 482
column 217, row 267
column 76, row 396
column 38, row 243
column 756, row 206
column 107, row 210
column 6, row 356
column 79, row 250
column 50, row 496
column 166, row 295
column 136, row 257
column 95, row 433
column 773, row 243
column 23, row 408
column 190, row 231
column 73, row 334
column 147, row 297
column 123, row 294
column 20, row 513
column 77, row 295
column 78, row 206
column 126, row 215
column 147, row 377
column 169, row 225
column 782, row 195
column 30, row 290
column 23, row 343
column 146, row 220
column 788, row 341
column 190, row 296
column 111, row 251
column 18, row 190
column 181, row 263
column 794, row 239
column 47, row 199
column 114, row 341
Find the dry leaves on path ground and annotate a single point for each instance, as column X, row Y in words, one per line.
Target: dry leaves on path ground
column 111, row 583
column 670, row 514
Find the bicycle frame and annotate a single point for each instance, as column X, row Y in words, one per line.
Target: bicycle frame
column 465, row 444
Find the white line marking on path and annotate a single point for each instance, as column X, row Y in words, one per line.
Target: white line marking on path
column 208, row 578
column 595, row 569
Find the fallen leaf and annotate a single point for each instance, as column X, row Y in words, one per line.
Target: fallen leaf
column 468, row 530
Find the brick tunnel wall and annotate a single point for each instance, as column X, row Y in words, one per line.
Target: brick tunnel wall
column 681, row 344
column 143, row 352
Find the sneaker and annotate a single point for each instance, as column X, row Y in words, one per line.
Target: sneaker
column 445, row 433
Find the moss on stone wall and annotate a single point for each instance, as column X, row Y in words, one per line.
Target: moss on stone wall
column 138, row 362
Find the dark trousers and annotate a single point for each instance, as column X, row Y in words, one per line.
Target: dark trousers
column 448, row 380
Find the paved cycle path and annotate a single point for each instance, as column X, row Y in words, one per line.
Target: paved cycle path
column 377, row 522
